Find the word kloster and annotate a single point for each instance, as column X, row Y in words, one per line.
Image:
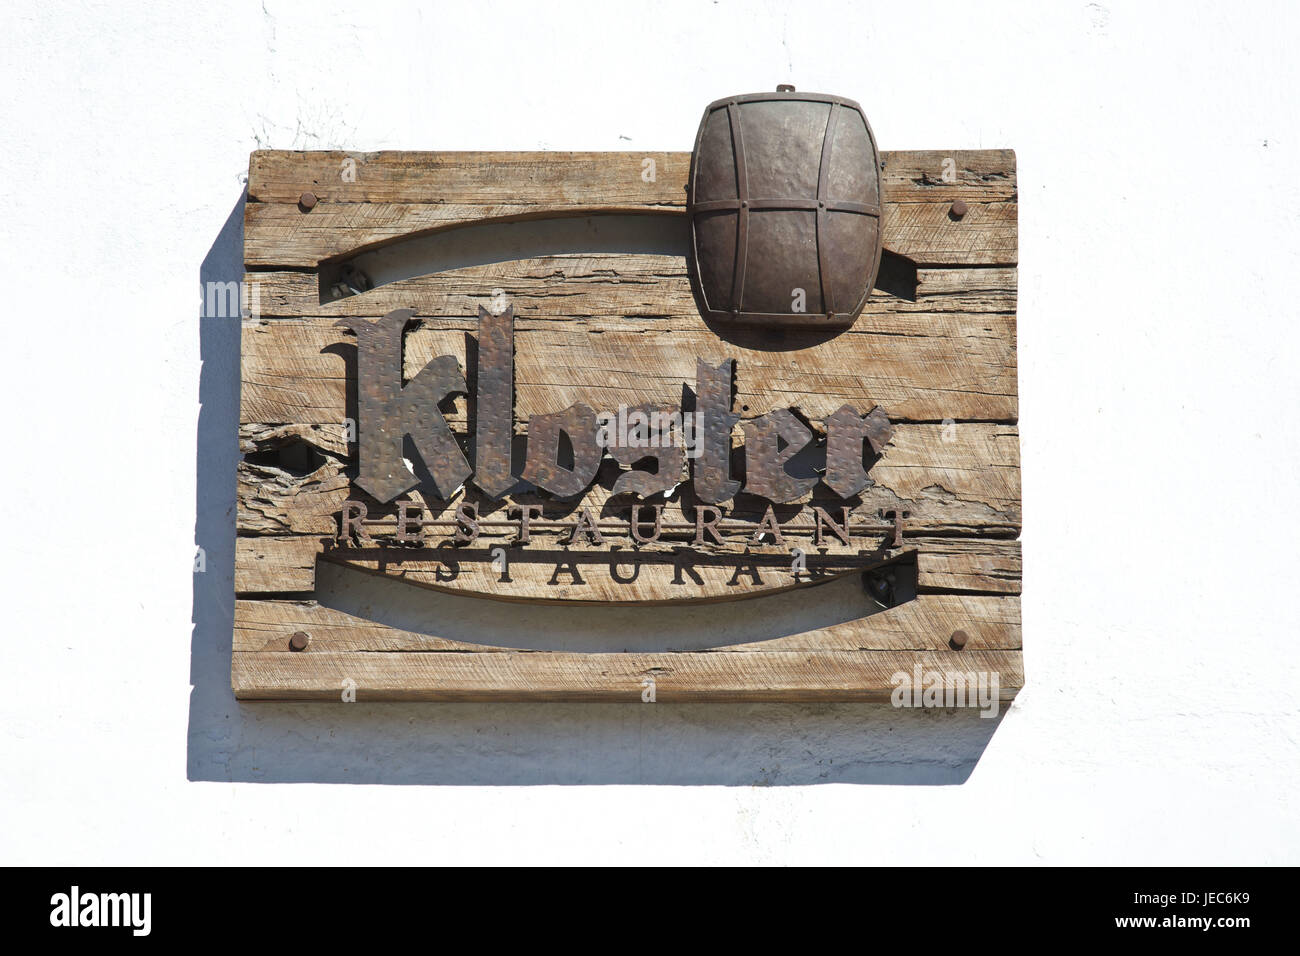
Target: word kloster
column 391, row 410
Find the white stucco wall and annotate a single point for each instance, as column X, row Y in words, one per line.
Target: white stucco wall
column 1159, row 149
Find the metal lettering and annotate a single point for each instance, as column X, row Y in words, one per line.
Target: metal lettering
column 494, row 418
column 769, row 525
column 845, row 432
column 586, row 524
column 526, row 514
column 390, row 410
column 766, row 455
column 821, row 517
column 636, row 523
column 405, row 520
column 710, row 525
column 543, row 468
column 713, row 481
column 466, row 522
column 653, row 440
column 352, row 521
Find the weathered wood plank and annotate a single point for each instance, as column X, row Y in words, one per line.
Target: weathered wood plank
column 408, row 196
column 918, row 367
column 583, row 573
column 649, row 576
column 923, row 625
column 977, row 491
column 928, row 235
column 678, row 677
column 616, row 290
column 557, row 179
column 926, row 175
column 967, row 564
column 275, row 501
column 269, row 565
column 330, row 438
column 276, row 234
column 580, row 178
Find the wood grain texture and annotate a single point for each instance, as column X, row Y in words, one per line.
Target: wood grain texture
column 857, row 660
column 480, row 180
column 396, row 195
column 607, row 292
column 977, row 490
column 605, row 329
column 679, row 677
column 992, row 623
column 917, row 367
column 594, row 179
column 275, row 564
column 626, row 574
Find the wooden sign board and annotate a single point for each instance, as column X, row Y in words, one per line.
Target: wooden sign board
column 934, row 350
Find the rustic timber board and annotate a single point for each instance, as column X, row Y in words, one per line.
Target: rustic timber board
column 939, row 357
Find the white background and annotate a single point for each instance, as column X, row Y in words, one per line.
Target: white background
column 1159, row 155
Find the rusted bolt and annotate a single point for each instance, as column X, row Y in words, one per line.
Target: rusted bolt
column 784, row 88
column 307, row 202
column 959, row 209
column 299, row 641
column 958, row 640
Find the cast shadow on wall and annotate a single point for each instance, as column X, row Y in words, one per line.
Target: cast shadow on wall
column 497, row 743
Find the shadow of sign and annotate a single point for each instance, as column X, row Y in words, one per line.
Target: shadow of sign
column 513, row 744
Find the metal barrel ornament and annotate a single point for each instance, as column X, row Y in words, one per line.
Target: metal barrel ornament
column 784, row 210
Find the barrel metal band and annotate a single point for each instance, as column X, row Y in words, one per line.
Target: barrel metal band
column 742, row 219
column 823, row 217
column 832, row 205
